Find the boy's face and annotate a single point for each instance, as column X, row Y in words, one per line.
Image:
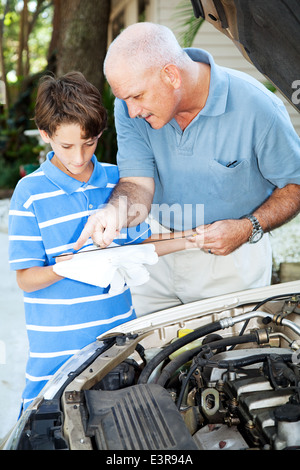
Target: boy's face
column 72, row 154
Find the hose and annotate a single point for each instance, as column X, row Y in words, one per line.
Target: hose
column 205, row 330
column 174, row 365
column 266, row 317
column 162, row 355
column 247, row 361
column 224, row 342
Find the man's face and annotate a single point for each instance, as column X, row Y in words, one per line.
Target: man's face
column 147, row 96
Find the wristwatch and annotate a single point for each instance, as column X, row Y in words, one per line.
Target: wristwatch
column 257, row 231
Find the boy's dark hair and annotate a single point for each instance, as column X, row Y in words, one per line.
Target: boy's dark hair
column 70, row 99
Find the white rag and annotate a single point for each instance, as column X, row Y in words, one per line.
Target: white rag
column 110, row 266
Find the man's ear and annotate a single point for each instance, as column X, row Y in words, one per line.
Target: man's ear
column 44, row 136
column 171, row 75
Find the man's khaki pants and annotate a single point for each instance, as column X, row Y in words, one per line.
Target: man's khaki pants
column 193, row 274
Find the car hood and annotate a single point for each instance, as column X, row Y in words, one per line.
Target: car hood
column 119, row 392
column 267, row 33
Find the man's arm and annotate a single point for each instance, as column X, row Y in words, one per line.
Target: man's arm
column 129, row 205
column 225, row 236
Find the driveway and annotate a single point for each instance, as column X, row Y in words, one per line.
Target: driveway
column 13, row 342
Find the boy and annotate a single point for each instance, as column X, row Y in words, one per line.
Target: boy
column 49, row 209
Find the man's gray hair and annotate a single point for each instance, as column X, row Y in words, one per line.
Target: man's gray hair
column 146, row 45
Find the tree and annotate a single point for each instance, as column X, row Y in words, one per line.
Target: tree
column 27, row 23
column 79, row 38
column 24, row 37
column 2, row 62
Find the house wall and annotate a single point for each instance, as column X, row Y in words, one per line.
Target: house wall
column 225, row 53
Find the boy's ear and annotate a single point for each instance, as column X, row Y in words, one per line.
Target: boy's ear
column 44, row 136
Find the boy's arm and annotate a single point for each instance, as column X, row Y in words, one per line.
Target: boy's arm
column 40, row 277
column 166, row 243
column 37, row 277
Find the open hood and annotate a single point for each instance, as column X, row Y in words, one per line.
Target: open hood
column 267, row 33
column 167, row 382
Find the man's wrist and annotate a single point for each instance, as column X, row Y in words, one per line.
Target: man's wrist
column 257, row 230
column 248, row 228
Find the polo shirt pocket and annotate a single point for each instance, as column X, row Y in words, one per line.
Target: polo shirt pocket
column 229, row 182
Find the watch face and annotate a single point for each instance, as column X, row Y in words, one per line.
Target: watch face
column 256, row 236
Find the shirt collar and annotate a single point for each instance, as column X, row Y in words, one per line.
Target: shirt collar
column 219, row 85
column 68, row 184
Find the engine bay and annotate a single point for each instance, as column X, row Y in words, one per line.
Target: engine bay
column 226, row 380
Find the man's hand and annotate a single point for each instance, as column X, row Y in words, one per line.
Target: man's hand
column 222, row 237
column 225, row 236
column 129, row 205
column 102, row 226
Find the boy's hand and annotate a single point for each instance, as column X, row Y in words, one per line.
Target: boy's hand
column 66, row 257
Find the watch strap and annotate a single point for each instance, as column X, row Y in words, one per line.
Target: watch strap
column 256, row 228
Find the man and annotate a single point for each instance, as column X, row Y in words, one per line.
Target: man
column 211, row 149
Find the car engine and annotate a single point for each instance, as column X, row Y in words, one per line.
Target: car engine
column 228, row 380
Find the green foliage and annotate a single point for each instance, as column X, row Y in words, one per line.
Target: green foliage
column 270, row 86
column 16, row 149
column 107, row 146
column 188, row 23
column 38, row 40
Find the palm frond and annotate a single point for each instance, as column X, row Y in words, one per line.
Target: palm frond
column 187, row 23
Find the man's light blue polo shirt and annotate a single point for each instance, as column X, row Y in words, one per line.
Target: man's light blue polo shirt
column 225, row 164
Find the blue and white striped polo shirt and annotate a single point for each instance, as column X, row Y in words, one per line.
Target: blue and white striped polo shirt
column 48, row 212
